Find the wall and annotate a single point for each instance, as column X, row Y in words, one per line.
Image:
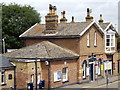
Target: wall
column 24, row 72
column 84, row 49
column 9, row 83
column 58, row 66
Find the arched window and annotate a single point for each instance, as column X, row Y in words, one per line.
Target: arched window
column 84, row 65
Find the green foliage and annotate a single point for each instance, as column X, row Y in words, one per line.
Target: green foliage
column 16, row 19
column 118, row 44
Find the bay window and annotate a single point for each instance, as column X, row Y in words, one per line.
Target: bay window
column 110, row 41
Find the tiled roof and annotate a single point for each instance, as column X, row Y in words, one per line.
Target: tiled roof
column 4, row 62
column 64, row 29
column 42, row 50
column 104, row 25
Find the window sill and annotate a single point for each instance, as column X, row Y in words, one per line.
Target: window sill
column 88, row 46
column 65, row 81
column 95, row 46
column 84, row 78
column 3, row 84
column 57, row 81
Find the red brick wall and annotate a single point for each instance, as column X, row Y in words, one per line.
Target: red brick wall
column 58, row 66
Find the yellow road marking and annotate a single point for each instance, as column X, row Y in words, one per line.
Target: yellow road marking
column 87, row 87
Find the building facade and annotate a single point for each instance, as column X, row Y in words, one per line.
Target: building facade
column 7, row 73
column 93, row 48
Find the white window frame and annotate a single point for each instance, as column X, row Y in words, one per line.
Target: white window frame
column 95, row 39
column 38, row 78
column 88, row 39
column 3, row 81
column 110, row 33
column 32, row 78
column 84, row 70
column 65, row 75
column 57, row 77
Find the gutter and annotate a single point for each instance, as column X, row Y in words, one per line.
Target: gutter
column 51, row 37
column 41, row 59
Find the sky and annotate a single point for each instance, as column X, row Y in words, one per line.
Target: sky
column 76, row 8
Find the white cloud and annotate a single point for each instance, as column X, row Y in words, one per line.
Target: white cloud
column 75, row 8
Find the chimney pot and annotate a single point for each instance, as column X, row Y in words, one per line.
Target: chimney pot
column 63, row 18
column 89, row 17
column 101, row 20
column 72, row 19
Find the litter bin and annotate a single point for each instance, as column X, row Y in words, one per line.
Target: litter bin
column 30, row 86
column 42, row 84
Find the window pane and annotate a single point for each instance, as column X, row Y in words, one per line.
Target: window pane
column 108, row 40
column 112, row 36
column 107, row 44
column 107, row 36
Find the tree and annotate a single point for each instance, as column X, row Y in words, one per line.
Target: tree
column 118, row 44
column 16, row 19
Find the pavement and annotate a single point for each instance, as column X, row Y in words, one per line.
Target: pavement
column 94, row 84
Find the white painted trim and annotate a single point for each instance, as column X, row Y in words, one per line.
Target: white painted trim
column 28, row 30
column 99, row 27
column 89, row 27
column 108, row 27
column 32, row 60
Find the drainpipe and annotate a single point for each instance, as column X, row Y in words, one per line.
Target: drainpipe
column 15, row 78
column 36, row 71
column 48, row 63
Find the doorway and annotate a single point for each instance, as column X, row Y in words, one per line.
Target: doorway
column 91, row 71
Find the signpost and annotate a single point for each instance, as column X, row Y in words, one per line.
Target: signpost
column 107, row 78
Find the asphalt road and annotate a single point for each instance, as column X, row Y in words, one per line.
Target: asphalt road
column 115, row 84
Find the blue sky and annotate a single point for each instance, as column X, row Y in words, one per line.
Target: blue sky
column 76, row 8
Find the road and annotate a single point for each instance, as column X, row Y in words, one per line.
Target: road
column 115, row 84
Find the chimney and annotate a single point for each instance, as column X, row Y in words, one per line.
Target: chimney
column 51, row 18
column 101, row 20
column 89, row 17
column 63, row 19
column 72, row 19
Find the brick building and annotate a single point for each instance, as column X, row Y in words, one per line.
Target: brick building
column 92, row 47
column 7, row 73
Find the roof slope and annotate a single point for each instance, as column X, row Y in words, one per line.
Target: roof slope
column 43, row 50
column 104, row 25
column 64, row 29
column 4, row 62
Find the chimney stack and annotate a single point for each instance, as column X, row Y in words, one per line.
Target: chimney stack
column 72, row 19
column 101, row 20
column 63, row 19
column 51, row 18
column 89, row 17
